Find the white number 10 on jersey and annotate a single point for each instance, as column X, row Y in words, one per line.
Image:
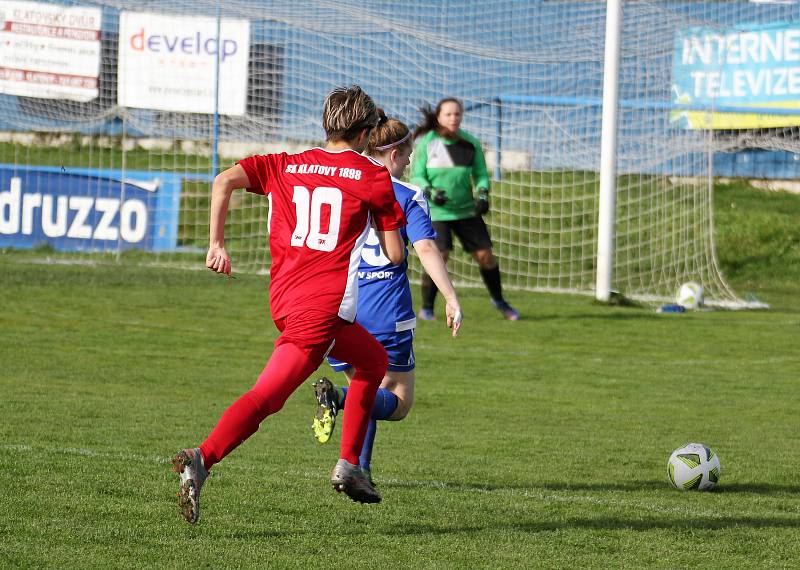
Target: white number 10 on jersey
column 308, row 207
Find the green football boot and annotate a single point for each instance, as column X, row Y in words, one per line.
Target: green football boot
column 327, row 408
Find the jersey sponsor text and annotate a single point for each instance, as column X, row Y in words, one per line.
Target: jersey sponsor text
column 322, row 170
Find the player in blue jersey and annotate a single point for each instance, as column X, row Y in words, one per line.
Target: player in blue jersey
column 384, row 298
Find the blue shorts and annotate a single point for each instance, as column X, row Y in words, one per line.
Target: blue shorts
column 399, row 346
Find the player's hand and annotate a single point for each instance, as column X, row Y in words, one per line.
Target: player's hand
column 218, row 260
column 482, row 202
column 454, row 317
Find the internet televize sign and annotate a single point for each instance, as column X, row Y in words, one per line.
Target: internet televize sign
column 87, row 210
column 754, row 66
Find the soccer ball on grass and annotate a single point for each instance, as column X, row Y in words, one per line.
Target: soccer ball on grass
column 693, row 467
column 690, row 295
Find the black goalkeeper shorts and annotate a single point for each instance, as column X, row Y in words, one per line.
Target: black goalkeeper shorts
column 472, row 233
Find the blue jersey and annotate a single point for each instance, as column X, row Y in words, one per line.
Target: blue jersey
column 384, row 293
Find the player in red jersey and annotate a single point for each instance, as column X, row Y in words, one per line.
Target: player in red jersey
column 322, row 204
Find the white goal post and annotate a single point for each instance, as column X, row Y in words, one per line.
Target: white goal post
column 608, row 153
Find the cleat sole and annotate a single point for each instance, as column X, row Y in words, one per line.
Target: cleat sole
column 324, row 420
column 187, row 502
column 187, row 493
column 180, row 461
column 322, row 425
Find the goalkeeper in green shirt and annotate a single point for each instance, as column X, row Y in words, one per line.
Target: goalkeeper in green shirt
column 447, row 164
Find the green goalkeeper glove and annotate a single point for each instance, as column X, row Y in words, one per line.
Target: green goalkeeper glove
column 437, row 196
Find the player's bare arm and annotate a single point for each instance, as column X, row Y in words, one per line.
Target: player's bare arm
column 434, row 265
column 392, row 245
column 225, row 183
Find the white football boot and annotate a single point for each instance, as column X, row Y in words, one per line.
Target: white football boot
column 189, row 463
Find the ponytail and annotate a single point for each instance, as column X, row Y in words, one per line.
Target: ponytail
column 388, row 134
column 430, row 121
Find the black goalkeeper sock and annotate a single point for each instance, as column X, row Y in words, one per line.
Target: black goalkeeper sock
column 429, row 291
column 492, row 279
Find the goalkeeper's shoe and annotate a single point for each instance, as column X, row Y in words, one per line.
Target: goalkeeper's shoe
column 350, row 479
column 189, row 463
column 327, row 408
column 426, row 314
column 509, row 312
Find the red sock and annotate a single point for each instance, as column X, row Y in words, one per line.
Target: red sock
column 238, row 422
column 360, row 399
column 286, row 369
column 357, row 347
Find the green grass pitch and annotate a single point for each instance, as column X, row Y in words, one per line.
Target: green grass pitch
column 541, row 443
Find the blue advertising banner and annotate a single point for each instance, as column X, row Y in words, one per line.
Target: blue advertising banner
column 88, row 210
column 746, row 67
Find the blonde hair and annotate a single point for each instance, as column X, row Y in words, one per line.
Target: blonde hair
column 387, row 134
column 347, row 112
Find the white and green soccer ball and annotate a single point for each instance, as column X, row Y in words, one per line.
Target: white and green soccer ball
column 690, row 295
column 693, row 467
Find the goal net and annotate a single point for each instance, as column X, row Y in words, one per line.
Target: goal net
column 114, row 117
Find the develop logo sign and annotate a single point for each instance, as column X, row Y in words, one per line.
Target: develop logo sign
column 170, row 63
column 196, row 44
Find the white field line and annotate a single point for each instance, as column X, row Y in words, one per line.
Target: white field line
column 619, row 501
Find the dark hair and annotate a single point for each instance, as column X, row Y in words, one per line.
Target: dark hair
column 430, row 121
column 347, row 112
column 389, row 131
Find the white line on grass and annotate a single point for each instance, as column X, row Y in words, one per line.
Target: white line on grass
column 620, row 499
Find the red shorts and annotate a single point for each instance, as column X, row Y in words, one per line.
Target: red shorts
column 318, row 333
column 312, row 331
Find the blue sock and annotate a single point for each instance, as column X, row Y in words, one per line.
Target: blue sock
column 369, row 440
column 385, row 405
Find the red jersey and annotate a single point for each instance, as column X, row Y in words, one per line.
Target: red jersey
column 321, row 207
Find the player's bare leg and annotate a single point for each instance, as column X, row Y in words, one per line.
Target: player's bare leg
column 401, row 384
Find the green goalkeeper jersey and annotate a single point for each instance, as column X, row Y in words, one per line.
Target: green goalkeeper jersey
column 455, row 166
